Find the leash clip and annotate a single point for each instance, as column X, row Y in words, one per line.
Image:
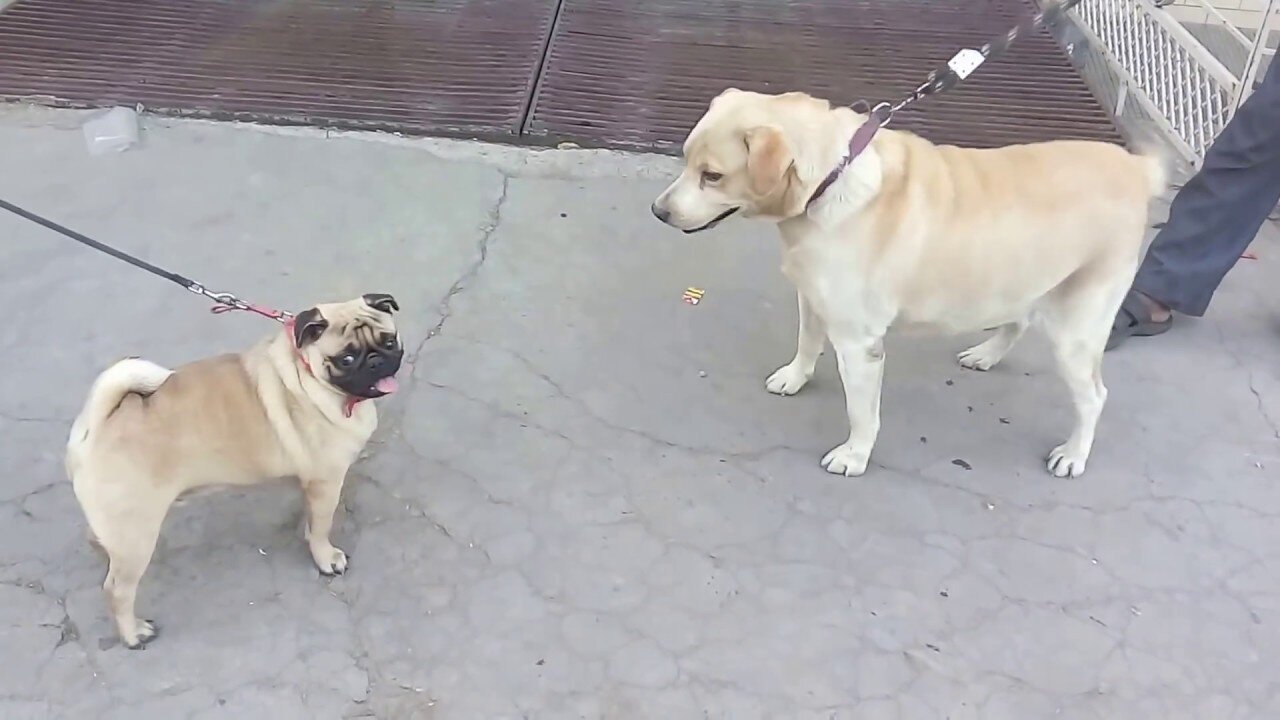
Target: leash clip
column 881, row 112
column 226, row 302
column 884, row 112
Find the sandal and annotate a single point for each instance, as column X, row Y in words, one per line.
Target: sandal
column 1134, row 320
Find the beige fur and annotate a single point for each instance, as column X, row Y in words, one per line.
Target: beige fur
column 917, row 234
column 148, row 435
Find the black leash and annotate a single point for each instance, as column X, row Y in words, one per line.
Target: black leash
column 225, row 302
column 963, row 63
column 959, row 67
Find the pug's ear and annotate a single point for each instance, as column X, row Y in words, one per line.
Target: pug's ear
column 308, row 326
column 382, row 301
column 769, row 157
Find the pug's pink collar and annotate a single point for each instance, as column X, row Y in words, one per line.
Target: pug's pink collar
column 348, row 404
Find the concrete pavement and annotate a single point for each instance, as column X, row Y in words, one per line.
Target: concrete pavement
column 583, row 504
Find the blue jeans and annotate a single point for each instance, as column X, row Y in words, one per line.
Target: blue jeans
column 1219, row 211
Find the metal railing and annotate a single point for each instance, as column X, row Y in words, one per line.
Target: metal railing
column 1253, row 50
column 1258, row 51
column 1187, row 92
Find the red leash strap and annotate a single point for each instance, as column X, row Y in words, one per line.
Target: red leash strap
column 288, row 331
column 278, row 315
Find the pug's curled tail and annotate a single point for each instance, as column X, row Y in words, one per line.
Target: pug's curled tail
column 131, row 375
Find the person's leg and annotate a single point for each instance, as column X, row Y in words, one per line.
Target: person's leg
column 1213, row 218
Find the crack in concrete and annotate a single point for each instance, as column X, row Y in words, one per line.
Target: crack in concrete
column 445, row 306
column 21, row 419
column 361, row 656
column 69, row 632
column 1262, row 408
column 22, row 500
column 704, row 450
column 415, row 509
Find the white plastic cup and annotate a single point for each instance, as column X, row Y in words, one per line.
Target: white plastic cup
column 113, row 131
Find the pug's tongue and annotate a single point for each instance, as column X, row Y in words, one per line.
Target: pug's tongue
column 387, row 385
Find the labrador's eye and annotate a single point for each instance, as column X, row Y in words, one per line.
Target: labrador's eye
column 712, row 177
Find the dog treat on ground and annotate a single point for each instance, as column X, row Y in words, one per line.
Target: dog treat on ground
column 693, row 295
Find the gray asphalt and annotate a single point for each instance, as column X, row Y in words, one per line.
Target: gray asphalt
column 583, row 504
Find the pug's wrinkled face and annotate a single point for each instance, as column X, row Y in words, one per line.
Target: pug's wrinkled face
column 353, row 346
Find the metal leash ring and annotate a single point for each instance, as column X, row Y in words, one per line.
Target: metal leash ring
column 888, row 109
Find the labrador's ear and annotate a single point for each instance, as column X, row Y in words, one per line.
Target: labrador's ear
column 308, row 326
column 769, row 157
column 382, row 301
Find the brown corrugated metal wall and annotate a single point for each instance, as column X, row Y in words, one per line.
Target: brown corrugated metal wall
column 614, row 73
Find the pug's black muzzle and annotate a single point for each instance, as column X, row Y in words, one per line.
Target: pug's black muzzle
column 371, row 366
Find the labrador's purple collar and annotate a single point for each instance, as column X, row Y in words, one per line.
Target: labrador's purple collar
column 857, row 144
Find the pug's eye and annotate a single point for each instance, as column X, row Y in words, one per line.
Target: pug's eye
column 346, row 360
column 711, row 177
column 389, row 342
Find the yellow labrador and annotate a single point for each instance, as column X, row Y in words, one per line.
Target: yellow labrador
column 903, row 232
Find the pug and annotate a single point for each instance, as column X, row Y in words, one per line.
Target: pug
column 294, row 405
